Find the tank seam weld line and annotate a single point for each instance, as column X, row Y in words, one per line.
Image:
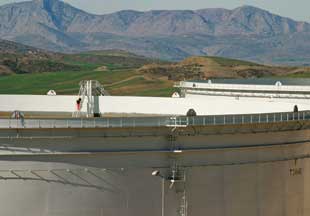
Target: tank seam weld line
column 179, row 151
column 137, row 135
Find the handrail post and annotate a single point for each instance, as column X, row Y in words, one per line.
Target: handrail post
column 303, row 115
column 286, row 116
column 224, row 120
column 214, row 120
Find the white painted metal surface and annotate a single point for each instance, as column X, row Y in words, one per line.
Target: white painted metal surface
column 204, row 98
column 207, row 105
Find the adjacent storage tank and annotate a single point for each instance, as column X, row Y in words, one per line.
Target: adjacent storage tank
column 217, row 165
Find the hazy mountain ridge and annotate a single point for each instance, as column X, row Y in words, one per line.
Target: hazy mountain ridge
column 245, row 32
column 65, row 18
column 11, row 47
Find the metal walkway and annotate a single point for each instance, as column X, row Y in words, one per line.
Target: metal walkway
column 169, row 121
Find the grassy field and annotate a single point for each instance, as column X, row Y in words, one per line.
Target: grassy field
column 123, row 73
column 126, row 82
column 116, row 70
column 117, row 81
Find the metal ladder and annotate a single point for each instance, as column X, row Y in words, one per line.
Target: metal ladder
column 89, row 89
column 182, row 194
column 82, row 94
column 178, row 180
column 183, row 205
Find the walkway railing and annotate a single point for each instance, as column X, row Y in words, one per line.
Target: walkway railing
column 243, row 87
column 173, row 121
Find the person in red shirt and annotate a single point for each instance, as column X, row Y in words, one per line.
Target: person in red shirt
column 78, row 104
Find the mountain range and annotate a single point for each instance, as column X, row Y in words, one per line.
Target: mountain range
column 244, row 33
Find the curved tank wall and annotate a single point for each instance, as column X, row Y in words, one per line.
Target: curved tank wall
column 279, row 188
column 233, row 172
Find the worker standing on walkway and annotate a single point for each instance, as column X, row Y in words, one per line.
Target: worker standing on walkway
column 78, row 104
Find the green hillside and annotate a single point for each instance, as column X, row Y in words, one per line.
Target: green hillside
column 123, row 73
column 117, row 82
column 116, row 70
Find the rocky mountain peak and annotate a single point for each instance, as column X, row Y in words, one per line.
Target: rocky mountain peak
column 58, row 26
column 46, row 3
column 59, row 12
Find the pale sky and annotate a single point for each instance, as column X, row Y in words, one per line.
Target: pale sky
column 296, row 9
